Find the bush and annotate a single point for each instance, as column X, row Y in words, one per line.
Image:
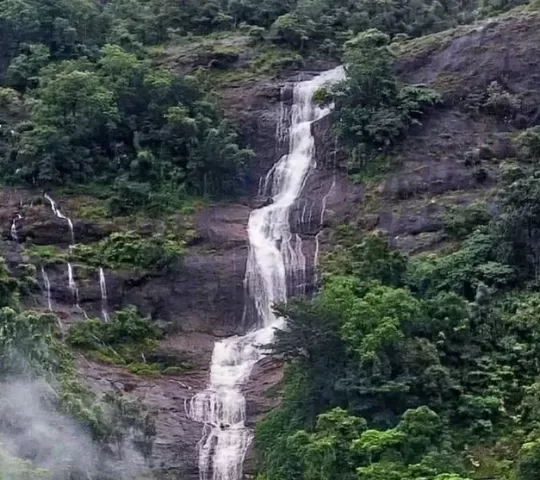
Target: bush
column 461, row 221
column 373, row 111
column 528, row 143
column 500, row 103
column 528, row 467
column 131, row 250
column 125, row 327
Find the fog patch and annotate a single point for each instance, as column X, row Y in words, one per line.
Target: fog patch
column 32, row 428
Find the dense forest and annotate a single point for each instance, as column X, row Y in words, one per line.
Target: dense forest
column 401, row 367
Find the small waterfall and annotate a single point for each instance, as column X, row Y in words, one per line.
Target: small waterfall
column 71, row 278
column 273, row 253
column 59, row 214
column 47, row 285
column 325, row 199
column 104, row 301
column 72, row 285
column 14, row 234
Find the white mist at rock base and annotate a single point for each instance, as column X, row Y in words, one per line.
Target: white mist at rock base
column 32, row 427
column 275, row 258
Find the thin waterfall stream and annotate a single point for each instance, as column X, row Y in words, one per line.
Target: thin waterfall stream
column 274, row 255
column 104, row 301
column 13, row 230
column 47, row 285
column 71, row 279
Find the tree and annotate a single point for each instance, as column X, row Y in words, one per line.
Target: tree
column 517, row 227
column 372, row 110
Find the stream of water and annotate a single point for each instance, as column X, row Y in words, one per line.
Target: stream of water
column 274, row 256
column 104, row 301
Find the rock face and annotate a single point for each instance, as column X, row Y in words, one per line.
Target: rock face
column 453, row 158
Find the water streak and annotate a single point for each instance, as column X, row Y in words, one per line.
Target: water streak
column 104, row 301
column 59, row 214
column 47, row 285
column 14, row 234
column 275, row 257
column 72, row 285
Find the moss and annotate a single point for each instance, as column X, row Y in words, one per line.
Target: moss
column 92, row 212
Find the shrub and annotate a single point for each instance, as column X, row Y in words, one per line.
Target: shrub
column 528, row 143
column 460, row 221
column 131, row 250
column 126, row 326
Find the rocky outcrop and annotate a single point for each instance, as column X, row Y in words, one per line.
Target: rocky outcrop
column 174, row 452
column 467, row 59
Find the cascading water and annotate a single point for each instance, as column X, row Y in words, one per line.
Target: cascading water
column 59, row 214
column 104, row 301
column 273, row 254
column 71, row 278
column 72, row 285
column 47, row 289
column 14, row 233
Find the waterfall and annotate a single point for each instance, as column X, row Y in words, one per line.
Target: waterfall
column 59, row 214
column 104, row 302
column 14, row 234
column 71, row 278
column 72, row 285
column 273, row 253
column 47, row 285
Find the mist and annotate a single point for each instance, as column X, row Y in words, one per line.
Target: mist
column 32, row 428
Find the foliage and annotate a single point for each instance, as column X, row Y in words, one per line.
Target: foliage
column 128, row 340
column 430, row 359
column 528, row 143
column 461, row 221
column 125, row 326
column 8, row 286
column 30, row 350
column 13, row 468
column 517, row 225
column 119, row 120
column 131, row 250
column 373, row 111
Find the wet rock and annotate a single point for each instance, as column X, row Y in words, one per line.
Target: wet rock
column 223, row 225
column 259, row 202
column 174, row 452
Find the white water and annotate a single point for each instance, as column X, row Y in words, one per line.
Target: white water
column 14, row 234
column 273, row 255
column 59, row 214
column 71, row 278
column 104, row 301
column 47, row 285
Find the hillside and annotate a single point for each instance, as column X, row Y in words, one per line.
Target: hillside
column 134, row 153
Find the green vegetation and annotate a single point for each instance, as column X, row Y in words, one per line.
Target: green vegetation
column 30, row 350
column 128, row 340
column 372, row 110
column 459, row 221
column 131, row 250
column 13, row 468
column 424, row 367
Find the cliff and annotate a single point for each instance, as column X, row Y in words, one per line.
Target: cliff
column 453, row 158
